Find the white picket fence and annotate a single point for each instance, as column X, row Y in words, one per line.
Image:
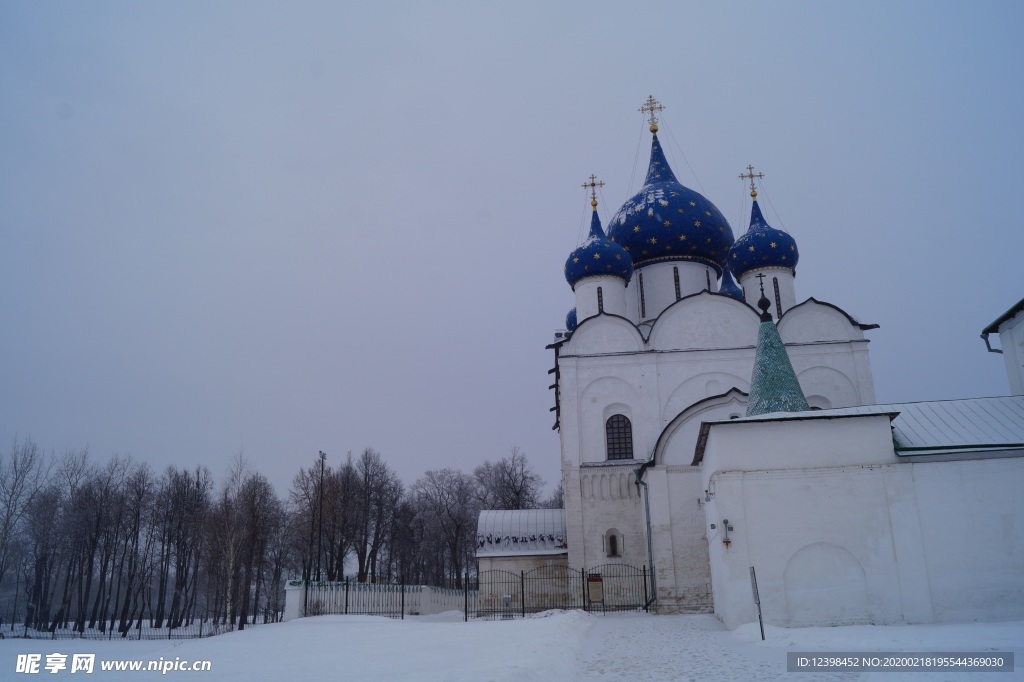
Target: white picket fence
column 323, row 598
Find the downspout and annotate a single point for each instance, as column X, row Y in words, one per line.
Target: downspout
column 984, row 337
column 639, row 474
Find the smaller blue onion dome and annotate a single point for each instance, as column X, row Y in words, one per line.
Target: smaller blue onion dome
column 570, row 320
column 729, row 287
column 762, row 246
column 597, row 256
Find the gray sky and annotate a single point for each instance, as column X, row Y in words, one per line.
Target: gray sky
column 294, row 226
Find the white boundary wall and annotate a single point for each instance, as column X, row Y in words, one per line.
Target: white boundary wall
column 420, row 600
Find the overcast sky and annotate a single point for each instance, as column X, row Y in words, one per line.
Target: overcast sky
column 298, row 226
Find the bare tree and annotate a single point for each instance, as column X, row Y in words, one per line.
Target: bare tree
column 510, row 483
column 22, row 473
column 446, row 497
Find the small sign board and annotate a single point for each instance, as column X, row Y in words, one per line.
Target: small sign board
column 595, row 589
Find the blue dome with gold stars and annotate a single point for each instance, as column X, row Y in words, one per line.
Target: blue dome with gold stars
column 597, row 256
column 762, row 246
column 570, row 320
column 666, row 221
column 729, row 287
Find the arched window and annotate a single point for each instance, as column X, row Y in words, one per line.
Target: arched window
column 619, row 435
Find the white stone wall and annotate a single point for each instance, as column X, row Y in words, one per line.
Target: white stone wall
column 841, row 532
column 700, row 347
column 1011, row 340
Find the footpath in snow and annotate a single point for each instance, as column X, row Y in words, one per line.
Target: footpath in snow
column 556, row 646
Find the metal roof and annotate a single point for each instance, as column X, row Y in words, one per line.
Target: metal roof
column 518, row 532
column 966, row 425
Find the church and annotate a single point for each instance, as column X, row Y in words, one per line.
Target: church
column 713, row 422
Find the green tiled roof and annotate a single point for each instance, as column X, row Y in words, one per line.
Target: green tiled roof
column 773, row 384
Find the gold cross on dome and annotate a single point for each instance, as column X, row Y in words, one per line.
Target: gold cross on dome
column 750, row 175
column 592, row 186
column 651, row 108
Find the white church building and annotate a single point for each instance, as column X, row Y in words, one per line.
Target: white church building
column 711, row 423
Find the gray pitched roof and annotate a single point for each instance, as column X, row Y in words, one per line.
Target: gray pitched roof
column 938, row 426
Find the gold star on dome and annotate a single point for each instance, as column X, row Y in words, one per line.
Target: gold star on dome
column 644, row 252
column 750, row 248
column 618, row 256
column 792, row 247
column 576, row 260
column 696, row 223
column 636, row 229
column 613, row 239
column 708, row 240
column 682, row 237
column 597, row 256
column 692, row 204
column 680, row 210
column 783, row 256
column 772, row 245
column 707, row 213
column 666, row 223
column 734, row 256
column 586, row 267
column 626, row 248
column 654, row 240
column 668, row 247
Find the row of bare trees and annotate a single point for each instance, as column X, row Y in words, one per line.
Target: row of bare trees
column 113, row 545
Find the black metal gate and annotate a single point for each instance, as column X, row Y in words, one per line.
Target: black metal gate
column 610, row 587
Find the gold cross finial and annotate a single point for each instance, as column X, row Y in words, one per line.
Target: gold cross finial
column 750, row 175
column 592, row 186
column 652, row 108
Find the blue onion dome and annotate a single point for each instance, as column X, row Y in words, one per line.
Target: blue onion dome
column 666, row 221
column 729, row 287
column 762, row 246
column 597, row 256
column 570, row 320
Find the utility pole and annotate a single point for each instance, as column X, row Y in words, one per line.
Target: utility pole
column 320, row 516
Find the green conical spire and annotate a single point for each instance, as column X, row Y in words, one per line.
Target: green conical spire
column 773, row 383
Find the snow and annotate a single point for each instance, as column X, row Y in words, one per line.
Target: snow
column 554, row 645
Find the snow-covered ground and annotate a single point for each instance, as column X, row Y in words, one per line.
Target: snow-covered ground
column 556, row 646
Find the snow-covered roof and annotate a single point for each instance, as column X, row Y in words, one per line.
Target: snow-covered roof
column 936, row 427
column 518, row 532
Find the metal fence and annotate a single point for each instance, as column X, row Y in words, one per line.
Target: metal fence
column 367, row 599
column 140, row 629
column 505, row 594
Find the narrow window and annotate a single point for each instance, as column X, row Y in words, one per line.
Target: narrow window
column 643, row 307
column 707, row 276
column 613, row 545
column 600, row 300
column 675, row 273
column 778, row 299
column 619, row 436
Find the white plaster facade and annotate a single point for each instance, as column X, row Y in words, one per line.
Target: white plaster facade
column 842, row 530
column 684, row 359
column 1010, row 328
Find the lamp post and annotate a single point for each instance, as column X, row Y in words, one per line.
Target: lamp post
column 320, row 516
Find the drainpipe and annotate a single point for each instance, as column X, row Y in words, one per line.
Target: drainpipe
column 639, row 474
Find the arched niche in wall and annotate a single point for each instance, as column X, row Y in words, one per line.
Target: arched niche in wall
column 698, row 388
column 704, row 321
column 600, row 399
column 829, row 387
column 604, row 334
column 678, row 440
column 825, row 585
column 814, row 320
